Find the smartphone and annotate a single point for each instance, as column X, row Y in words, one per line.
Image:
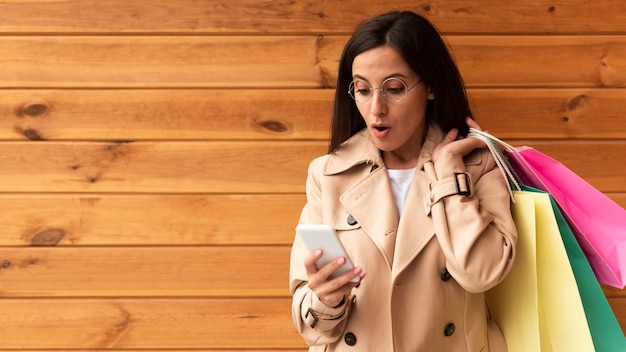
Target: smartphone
column 324, row 237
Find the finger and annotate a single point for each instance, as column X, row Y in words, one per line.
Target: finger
column 354, row 276
column 472, row 123
column 310, row 260
column 467, row 145
column 328, row 269
column 451, row 136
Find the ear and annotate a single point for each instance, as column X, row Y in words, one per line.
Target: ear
column 431, row 95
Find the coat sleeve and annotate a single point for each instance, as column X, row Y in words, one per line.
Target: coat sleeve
column 476, row 231
column 317, row 323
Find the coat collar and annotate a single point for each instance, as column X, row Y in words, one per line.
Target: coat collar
column 360, row 149
column 371, row 200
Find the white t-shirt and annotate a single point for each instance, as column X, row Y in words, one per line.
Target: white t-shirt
column 400, row 183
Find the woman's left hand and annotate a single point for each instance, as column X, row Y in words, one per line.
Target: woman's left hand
column 452, row 145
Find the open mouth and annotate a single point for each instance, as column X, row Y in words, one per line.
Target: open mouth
column 381, row 128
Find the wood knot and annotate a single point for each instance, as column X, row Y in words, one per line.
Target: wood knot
column 35, row 110
column 577, row 102
column 47, row 237
column 274, row 126
column 32, row 134
column 6, row 264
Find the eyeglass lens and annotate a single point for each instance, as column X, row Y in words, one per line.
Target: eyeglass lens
column 393, row 89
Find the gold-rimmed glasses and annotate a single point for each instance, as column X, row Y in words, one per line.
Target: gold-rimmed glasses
column 393, row 89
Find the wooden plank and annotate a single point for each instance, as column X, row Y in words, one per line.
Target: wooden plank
column 292, row 61
column 156, row 167
column 166, row 114
column 226, row 271
column 192, row 61
column 149, row 220
column 540, row 61
column 226, row 167
column 155, row 324
column 551, row 113
column 130, row 220
column 610, row 291
column 302, row 16
column 190, row 114
column 135, row 219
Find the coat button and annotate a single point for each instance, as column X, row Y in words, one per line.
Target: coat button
column 350, row 339
column 449, row 329
column 351, row 220
column 445, row 274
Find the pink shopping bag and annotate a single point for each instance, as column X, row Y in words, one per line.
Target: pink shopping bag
column 598, row 223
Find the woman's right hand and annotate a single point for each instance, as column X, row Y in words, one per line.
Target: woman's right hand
column 330, row 291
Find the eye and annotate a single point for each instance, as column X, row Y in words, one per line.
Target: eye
column 394, row 90
column 363, row 91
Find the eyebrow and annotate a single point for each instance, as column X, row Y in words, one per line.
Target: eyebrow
column 393, row 75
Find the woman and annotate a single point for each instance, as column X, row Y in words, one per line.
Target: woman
column 424, row 213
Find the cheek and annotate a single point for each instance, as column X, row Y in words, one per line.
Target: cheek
column 418, row 109
column 363, row 111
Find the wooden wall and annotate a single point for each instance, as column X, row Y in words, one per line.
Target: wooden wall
column 153, row 153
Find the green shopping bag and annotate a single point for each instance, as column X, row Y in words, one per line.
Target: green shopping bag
column 605, row 330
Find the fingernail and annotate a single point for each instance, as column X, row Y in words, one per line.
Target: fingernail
column 318, row 253
column 341, row 260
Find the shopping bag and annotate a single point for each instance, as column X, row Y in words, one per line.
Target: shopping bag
column 537, row 306
column 598, row 223
column 606, row 333
column 605, row 330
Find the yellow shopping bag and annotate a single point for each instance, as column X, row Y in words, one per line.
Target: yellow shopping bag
column 538, row 306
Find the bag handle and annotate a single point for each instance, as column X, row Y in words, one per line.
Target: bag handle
column 507, row 146
column 513, row 180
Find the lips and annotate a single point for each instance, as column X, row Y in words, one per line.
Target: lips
column 380, row 131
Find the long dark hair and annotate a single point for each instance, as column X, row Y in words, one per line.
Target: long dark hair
column 422, row 47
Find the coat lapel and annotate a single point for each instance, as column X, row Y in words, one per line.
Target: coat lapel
column 371, row 203
column 415, row 229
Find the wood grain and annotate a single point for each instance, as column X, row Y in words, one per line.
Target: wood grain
column 154, row 324
column 304, row 16
column 195, row 271
column 293, row 61
column 191, row 167
column 289, row 114
column 151, row 220
column 156, row 167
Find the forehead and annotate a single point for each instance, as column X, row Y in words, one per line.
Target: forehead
column 380, row 63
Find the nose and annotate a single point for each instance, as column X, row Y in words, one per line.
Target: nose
column 378, row 103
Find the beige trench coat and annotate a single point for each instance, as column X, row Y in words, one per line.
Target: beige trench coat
column 426, row 270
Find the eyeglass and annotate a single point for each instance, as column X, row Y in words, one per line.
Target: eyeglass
column 393, row 89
